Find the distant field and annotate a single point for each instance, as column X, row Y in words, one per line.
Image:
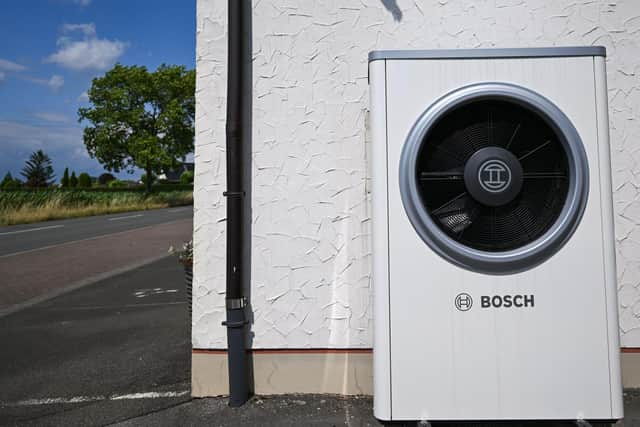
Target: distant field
column 25, row 206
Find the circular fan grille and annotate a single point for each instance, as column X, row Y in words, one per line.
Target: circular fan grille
column 460, row 133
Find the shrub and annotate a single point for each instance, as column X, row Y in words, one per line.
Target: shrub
column 186, row 177
column 84, row 180
column 172, row 187
column 73, row 181
column 184, row 254
column 10, row 183
column 106, row 178
column 116, row 183
column 64, row 182
column 7, row 181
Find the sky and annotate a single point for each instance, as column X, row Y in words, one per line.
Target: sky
column 50, row 50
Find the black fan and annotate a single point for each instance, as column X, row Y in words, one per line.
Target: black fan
column 474, row 216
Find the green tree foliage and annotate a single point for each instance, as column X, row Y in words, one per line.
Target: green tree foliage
column 7, row 179
column 64, row 182
column 105, row 178
column 15, row 184
column 84, row 180
column 38, row 170
column 186, row 177
column 140, row 118
column 73, row 181
column 8, row 182
column 147, row 182
column 117, row 184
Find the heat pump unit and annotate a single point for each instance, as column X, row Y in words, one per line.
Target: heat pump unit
column 493, row 245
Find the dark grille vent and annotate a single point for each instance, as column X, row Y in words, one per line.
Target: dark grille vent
column 459, row 134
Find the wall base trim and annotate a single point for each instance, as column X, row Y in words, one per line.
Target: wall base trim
column 630, row 361
column 314, row 371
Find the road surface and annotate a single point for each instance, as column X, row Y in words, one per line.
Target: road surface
column 41, row 260
column 104, row 353
column 20, row 238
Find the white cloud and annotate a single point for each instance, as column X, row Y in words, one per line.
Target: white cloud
column 6, row 65
column 82, row 2
column 52, row 117
column 54, row 83
column 63, row 142
column 2, row 76
column 24, row 137
column 90, row 53
column 84, row 97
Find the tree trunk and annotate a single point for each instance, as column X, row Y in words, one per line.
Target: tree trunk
column 149, row 180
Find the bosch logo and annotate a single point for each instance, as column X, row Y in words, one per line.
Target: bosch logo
column 507, row 301
column 494, row 175
column 463, row 302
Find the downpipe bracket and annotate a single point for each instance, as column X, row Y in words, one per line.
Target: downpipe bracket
column 233, row 325
column 234, row 194
column 236, row 303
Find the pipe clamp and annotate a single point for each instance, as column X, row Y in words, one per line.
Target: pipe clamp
column 236, row 303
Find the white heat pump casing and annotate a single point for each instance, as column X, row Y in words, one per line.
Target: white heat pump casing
column 557, row 360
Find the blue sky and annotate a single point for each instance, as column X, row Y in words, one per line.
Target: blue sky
column 50, row 50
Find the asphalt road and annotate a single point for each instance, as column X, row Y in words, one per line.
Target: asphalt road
column 272, row 411
column 20, row 238
column 104, row 353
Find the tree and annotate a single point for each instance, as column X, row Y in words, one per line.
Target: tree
column 73, row 181
column 186, row 177
column 105, row 178
column 140, row 118
column 7, row 181
column 147, row 182
column 84, row 180
column 38, row 170
column 64, row 182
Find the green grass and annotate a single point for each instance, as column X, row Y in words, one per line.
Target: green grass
column 21, row 207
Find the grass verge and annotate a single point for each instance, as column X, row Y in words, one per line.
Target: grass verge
column 27, row 207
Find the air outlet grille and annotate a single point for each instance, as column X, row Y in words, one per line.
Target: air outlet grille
column 465, row 130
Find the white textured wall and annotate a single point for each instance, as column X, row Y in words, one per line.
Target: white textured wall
column 311, row 249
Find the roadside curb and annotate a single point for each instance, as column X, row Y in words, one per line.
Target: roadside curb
column 79, row 284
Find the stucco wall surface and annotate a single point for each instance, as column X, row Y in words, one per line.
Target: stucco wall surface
column 311, row 251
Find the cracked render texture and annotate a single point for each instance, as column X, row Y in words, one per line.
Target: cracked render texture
column 311, row 284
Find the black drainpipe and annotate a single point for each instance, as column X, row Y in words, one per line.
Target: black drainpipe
column 239, row 97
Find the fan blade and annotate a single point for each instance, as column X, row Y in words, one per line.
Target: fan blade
column 539, row 147
column 490, row 127
column 451, row 175
column 449, row 203
column 544, row 175
column 450, row 154
column 458, row 214
column 513, row 135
